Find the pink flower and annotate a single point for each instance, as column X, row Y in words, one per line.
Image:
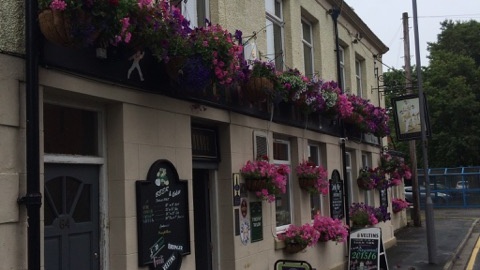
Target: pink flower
column 127, row 38
column 58, row 5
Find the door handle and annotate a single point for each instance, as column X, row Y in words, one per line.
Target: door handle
column 95, row 254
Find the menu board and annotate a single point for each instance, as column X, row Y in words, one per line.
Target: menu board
column 383, row 197
column 336, row 196
column 366, row 250
column 256, row 221
column 162, row 217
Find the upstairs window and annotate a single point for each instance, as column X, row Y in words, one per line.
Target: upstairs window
column 274, row 32
column 358, row 77
column 342, row 69
column 196, row 12
column 307, row 48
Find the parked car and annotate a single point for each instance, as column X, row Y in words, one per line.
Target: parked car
column 461, row 184
column 437, row 197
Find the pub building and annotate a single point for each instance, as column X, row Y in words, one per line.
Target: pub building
column 109, row 163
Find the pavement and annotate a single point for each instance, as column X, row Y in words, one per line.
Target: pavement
column 456, row 233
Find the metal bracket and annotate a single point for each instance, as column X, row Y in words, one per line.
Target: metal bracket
column 34, row 198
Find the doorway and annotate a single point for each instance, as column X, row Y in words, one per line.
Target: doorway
column 202, row 219
column 71, row 209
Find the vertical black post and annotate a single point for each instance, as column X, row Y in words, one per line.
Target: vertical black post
column 33, row 198
column 335, row 13
column 430, row 222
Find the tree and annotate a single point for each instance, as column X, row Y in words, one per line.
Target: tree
column 451, row 84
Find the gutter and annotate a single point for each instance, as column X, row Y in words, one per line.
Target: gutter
column 33, row 198
column 335, row 13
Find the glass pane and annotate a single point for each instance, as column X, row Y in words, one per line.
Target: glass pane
column 306, row 32
column 278, row 8
column 54, row 188
column 307, row 54
column 282, row 206
column 48, row 213
column 278, row 54
column 82, row 212
column 280, row 151
column 70, row 131
column 315, row 205
column 71, row 189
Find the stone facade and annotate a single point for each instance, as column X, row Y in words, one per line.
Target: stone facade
column 136, row 128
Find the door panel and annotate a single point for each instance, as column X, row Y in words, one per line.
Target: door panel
column 71, row 217
column 203, row 245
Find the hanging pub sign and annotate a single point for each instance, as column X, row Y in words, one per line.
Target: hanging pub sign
column 337, row 208
column 406, row 115
column 366, row 250
column 162, row 217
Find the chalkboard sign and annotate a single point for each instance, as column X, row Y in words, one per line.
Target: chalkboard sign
column 256, row 221
column 162, row 217
column 337, row 209
column 366, row 250
column 383, row 197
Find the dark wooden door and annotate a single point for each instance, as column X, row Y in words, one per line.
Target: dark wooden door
column 201, row 202
column 71, row 217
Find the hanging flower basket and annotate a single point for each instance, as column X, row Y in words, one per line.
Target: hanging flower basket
column 255, row 185
column 256, row 89
column 58, row 27
column 365, row 183
column 55, row 27
column 174, row 67
column 307, row 183
column 293, row 247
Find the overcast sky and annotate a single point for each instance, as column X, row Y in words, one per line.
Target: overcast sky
column 384, row 18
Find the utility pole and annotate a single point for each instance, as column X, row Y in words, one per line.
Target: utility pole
column 415, row 215
column 429, row 220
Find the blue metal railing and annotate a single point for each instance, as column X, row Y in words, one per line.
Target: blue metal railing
column 453, row 187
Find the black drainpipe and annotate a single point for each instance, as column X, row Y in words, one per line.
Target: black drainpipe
column 335, row 13
column 33, row 198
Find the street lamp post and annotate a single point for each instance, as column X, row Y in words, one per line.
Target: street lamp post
column 430, row 224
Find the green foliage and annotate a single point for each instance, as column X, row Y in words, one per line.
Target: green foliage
column 451, row 83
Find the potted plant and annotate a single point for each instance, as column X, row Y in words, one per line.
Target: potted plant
column 265, row 179
column 399, row 204
column 395, row 167
column 330, row 229
column 368, row 118
column 369, row 178
column 260, row 81
column 219, row 51
column 297, row 238
column 162, row 29
column 362, row 215
column 312, row 178
column 74, row 23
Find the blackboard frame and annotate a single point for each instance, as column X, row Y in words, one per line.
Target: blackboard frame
column 337, row 194
column 163, row 224
column 364, row 244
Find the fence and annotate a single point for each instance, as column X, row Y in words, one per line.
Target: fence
column 452, row 187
